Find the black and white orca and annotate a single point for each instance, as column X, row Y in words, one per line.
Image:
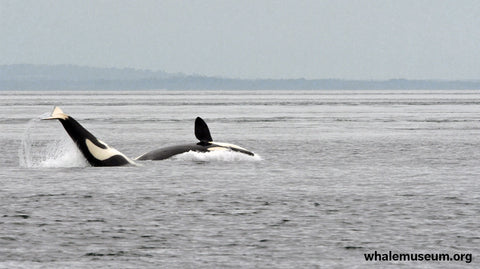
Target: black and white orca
column 95, row 151
column 206, row 144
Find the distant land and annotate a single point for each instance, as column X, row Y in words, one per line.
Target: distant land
column 72, row 77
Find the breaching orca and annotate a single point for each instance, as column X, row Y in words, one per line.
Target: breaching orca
column 95, row 151
column 206, row 144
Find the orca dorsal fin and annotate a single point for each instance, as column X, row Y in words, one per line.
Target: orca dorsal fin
column 201, row 131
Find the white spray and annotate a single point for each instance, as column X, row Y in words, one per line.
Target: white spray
column 217, row 156
column 58, row 152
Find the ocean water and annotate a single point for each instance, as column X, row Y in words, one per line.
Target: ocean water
column 337, row 174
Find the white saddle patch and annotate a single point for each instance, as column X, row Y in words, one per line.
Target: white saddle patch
column 227, row 145
column 216, row 149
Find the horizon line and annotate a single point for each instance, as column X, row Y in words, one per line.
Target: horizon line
column 173, row 74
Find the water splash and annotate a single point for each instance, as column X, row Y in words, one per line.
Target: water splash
column 217, row 156
column 24, row 153
column 61, row 152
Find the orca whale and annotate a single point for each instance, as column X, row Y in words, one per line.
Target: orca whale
column 95, row 151
column 206, row 144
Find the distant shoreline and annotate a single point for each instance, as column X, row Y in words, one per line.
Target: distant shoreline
column 70, row 77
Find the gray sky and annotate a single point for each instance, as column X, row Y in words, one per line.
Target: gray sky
column 370, row 39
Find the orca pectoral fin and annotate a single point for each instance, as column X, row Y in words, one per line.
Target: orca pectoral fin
column 202, row 132
column 57, row 114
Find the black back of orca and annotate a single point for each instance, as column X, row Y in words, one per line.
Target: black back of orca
column 202, row 133
column 167, row 152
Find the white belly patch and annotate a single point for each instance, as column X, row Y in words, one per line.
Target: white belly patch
column 102, row 154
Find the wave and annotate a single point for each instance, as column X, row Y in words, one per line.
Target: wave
column 217, row 156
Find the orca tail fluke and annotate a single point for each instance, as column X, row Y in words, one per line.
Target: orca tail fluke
column 57, row 114
column 95, row 151
column 201, row 131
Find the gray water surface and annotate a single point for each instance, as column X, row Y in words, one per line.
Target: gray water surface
column 338, row 174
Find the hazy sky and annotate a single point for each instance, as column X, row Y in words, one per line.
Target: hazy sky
column 370, row 39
